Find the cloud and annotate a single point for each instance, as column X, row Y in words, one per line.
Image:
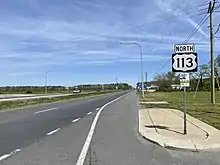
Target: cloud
column 25, row 74
column 41, row 35
column 178, row 13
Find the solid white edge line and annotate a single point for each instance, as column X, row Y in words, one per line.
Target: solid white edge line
column 89, row 113
column 8, row 155
column 97, row 109
column 75, row 120
column 54, row 131
column 17, row 150
column 46, row 110
column 4, row 156
column 86, row 145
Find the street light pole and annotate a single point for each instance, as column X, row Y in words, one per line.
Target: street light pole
column 45, row 83
column 142, row 72
column 146, row 79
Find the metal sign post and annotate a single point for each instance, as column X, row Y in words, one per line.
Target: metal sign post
column 184, row 60
column 184, row 109
column 184, row 82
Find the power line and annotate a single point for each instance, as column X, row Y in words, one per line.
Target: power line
column 217, row 29
column 202, row 21
column 204, row 4
column 163, row 66
column 198, row 14
column 203, row 9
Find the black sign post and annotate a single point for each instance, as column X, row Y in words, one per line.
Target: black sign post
column 184, row 59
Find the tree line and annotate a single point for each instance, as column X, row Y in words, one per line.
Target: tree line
column 199, row 80
column 58, row 89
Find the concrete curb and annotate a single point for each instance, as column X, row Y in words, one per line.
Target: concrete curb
column 167, row 146
column 207, row 134
column 152, row 136
column 152, row 141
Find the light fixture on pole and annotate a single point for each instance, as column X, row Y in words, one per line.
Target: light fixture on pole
column 142, row 72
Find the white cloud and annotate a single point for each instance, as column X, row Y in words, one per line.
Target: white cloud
column 180, row 15
column 44, row 41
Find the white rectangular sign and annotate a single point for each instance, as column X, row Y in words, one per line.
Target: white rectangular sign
column 184, row 48
column 184, row 80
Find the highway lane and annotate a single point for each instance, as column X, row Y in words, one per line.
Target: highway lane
column 15, row 98
column 9, row 96
column 115, row 141
column 19, row 128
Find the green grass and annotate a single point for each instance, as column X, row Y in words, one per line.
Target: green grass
column 199, row 107
column 20, row 103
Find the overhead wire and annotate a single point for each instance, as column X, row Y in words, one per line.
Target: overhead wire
column 217, row 29
column 202, row 21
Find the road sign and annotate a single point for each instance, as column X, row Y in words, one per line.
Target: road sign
column 186, row 62
column 184, row 80
column 184, row 48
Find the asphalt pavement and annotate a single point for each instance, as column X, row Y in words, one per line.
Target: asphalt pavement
column 15, row 97
column 19, row 128
column 35, row 136
column 11, row 96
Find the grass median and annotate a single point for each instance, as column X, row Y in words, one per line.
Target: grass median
column 198, row 107
column 20, row 103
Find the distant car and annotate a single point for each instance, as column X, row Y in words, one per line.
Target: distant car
column 76, row 91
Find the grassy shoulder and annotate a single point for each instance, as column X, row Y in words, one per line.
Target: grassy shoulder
column 20, row 103
column 199, row 107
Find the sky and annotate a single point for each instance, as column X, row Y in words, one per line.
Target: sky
column 78, row 41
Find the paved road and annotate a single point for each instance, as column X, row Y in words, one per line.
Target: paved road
column 10, row 96
column 20, row 128
column 28, row 97
column 14, row 97
column 115, row 139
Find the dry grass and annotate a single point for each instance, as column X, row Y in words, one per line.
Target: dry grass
column 199, row 107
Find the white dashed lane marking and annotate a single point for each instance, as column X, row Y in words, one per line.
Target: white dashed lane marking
column 97, row 109
column 86, row 145
column 8, row 155
column 75, row 120
column 46, row 110
column 53, row 132
column 89, row 113
column 4, row 156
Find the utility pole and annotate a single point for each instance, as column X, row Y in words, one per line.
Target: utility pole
column 210, row 11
